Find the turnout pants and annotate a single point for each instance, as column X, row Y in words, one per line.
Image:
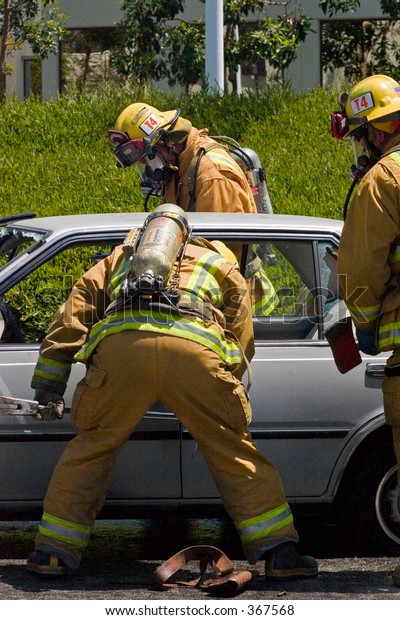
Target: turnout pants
column 127, row 374
column 391, row 401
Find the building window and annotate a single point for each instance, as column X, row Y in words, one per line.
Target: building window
column 85, row 57
column 32, row 77
column 354, row 49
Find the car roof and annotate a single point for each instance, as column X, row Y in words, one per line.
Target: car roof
column 234, row 222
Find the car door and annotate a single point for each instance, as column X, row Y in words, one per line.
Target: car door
column 304, row 410
column 149, row 464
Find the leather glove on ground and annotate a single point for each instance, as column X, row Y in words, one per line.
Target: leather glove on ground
column 53, row 406
column 367, row 341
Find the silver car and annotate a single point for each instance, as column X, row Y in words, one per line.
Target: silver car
column 325, row 431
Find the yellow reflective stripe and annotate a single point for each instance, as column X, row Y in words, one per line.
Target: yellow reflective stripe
column 269, row 301
column 51, row 369
column 389, row 334
column 201, row 286
column 117, row 280
column 265, row 306
column 222, row 158
column 262, row 525
column 395, row 157
column 65, row 531
column 395, row 255
column 202, row 280
column 364, row 314
column 161, row 323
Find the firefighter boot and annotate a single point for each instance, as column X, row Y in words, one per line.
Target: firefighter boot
column 396, row 576
column 284, row 562
column 47, row 565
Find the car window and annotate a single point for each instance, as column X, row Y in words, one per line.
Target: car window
column 333, row 308
column 29, row 306
column 293, row 285
column 14, row 241
column 293, row 288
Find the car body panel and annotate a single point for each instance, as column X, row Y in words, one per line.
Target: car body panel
column 300, row 427
column 307, row 417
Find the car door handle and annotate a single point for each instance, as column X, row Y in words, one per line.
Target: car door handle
column 374, row 369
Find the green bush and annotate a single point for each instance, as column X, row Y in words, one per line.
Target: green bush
column 56, row 157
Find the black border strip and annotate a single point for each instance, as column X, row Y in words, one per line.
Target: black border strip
column 174, row 435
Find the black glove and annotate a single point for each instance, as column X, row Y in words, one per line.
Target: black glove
column 367, row 341
column 53, row 405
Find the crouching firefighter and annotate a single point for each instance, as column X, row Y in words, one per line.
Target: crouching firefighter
column 176, row 312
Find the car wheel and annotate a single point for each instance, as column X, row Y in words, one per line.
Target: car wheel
column 369, row 513
column 387, row 505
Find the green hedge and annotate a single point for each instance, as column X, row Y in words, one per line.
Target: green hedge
column 56, row 157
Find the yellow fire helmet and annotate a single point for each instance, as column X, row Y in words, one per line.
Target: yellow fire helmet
column 374, row 100
column 140, row 120
column 140, row 126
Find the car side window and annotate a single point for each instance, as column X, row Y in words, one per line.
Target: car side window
column 27, row 309
column 289, row 302
column 334, row 309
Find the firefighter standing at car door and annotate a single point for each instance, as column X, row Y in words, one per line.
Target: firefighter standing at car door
column 369, row 252
column 160, row 333
column 186, row 167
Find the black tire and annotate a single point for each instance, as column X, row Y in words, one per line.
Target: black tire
column 366, row 508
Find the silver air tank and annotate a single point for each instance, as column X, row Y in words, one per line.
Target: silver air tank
column 164, row 232
column 259, row 185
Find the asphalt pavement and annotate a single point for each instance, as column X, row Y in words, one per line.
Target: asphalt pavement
column 344, row 578
column 122, row 556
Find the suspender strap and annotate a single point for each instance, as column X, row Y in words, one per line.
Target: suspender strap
column 193, row 171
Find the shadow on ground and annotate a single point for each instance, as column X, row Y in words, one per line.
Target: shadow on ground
column 122, row 555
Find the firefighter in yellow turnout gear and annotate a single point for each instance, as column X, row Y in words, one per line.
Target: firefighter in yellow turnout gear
column 369, row 252
column 143, row 349
column 186, row 167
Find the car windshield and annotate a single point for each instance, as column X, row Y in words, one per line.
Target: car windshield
column 15, row 240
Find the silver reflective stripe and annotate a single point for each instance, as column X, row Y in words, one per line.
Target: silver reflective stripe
column 66, row 531
column 52, row 367
column 263, row 525
column 184, row 328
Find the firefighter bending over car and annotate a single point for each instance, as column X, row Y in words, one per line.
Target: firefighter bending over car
column 369, row 251
column 185, row 166
column 162, row 309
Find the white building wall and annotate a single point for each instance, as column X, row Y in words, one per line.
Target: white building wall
column 93, row 13
column 304, row 73
column 15, row 81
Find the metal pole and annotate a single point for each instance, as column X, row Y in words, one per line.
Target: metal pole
column 239, row 68
column 214, row 14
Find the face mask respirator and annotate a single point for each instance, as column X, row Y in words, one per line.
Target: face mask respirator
column 365, row 154
column 154, row 173
column 153, row 168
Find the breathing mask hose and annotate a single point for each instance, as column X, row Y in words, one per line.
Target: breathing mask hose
column 349, row 193
column 149, row 194
column 364, row 163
